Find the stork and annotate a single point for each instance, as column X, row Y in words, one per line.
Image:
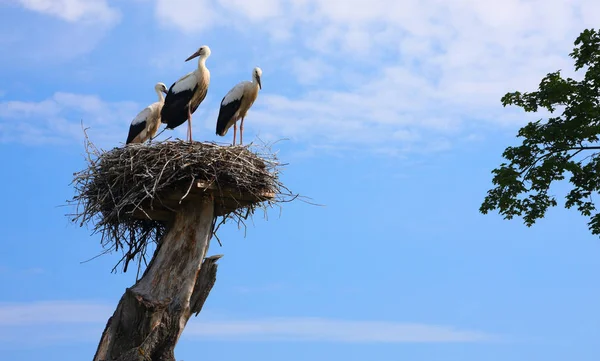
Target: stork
column 186, row 94
column 236, row 103
column 146, row 123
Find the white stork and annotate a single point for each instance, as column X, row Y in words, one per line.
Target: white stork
column 236, row 103
column 146, row 123
column 186, row 94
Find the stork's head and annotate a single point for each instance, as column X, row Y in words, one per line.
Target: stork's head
column 161, row 87
column 256, row 75
column 203, row 52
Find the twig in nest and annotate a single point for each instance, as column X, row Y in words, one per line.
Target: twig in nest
column 121, row 181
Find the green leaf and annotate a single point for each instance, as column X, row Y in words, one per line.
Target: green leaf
column 553, row 148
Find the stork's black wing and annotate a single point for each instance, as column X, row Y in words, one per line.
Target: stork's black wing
column 134, row 130
column 174, row 111
column 226, row 113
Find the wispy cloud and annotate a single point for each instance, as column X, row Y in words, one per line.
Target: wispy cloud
column 330, row 330
column 80, row 321
column 187, row 16
column 46, row 312
column 87, row 11
column 66, row 30
column 58, row 119
column 387, row 77
column 193, row 16
column 311, row 71
column 321, row 120
column 402, row 76
column 21, row 272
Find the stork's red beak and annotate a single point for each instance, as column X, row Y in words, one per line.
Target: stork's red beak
column 193, row 55
column 259, row 82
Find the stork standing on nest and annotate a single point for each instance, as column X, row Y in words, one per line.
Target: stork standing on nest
column 146, row 123
column 186, row 94
column 236, row 103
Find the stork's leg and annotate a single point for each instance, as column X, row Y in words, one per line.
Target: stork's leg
column 189, row 125
column 241, row 131
column 234, row 132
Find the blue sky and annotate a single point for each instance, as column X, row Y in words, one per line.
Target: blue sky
column 393, row 118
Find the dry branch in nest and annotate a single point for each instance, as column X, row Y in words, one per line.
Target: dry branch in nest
column 130, row 193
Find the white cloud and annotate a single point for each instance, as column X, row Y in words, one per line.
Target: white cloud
column 89, row 11
column 76, row 29
column 64, row 41
column 81, row 321
column 57, row 120
column 310, row 71
column 256, row 10
column 194, row 16
column 387, row 76
column 393, row 120
column 187, row 15
column 385, row 69
column 21, row 272
column 35, row 313
column 329, row 330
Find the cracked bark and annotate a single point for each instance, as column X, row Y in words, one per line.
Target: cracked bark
column 152, row 314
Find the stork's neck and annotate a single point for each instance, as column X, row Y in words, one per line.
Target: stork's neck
column 201, row 62
column 161, row 96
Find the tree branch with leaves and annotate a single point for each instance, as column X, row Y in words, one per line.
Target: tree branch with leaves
column 560, row 147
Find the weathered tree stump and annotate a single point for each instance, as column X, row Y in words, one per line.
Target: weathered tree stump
column 169, row 193
column 153, row 313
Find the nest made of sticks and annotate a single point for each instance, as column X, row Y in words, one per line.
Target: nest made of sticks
column 116, row 182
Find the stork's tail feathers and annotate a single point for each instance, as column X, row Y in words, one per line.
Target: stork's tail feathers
column 221, row 129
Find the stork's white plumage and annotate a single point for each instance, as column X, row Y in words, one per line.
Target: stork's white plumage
column 186, row 94
column 236, row 103
column 146, row 123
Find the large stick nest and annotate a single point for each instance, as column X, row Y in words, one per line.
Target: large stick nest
column 117, row 182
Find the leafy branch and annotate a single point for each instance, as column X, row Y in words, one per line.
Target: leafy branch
column 550, row 149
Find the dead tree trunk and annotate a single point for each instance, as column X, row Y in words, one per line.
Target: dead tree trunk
column 176, row 189
column 152, row 314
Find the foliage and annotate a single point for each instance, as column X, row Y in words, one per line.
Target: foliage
column 563, row 146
